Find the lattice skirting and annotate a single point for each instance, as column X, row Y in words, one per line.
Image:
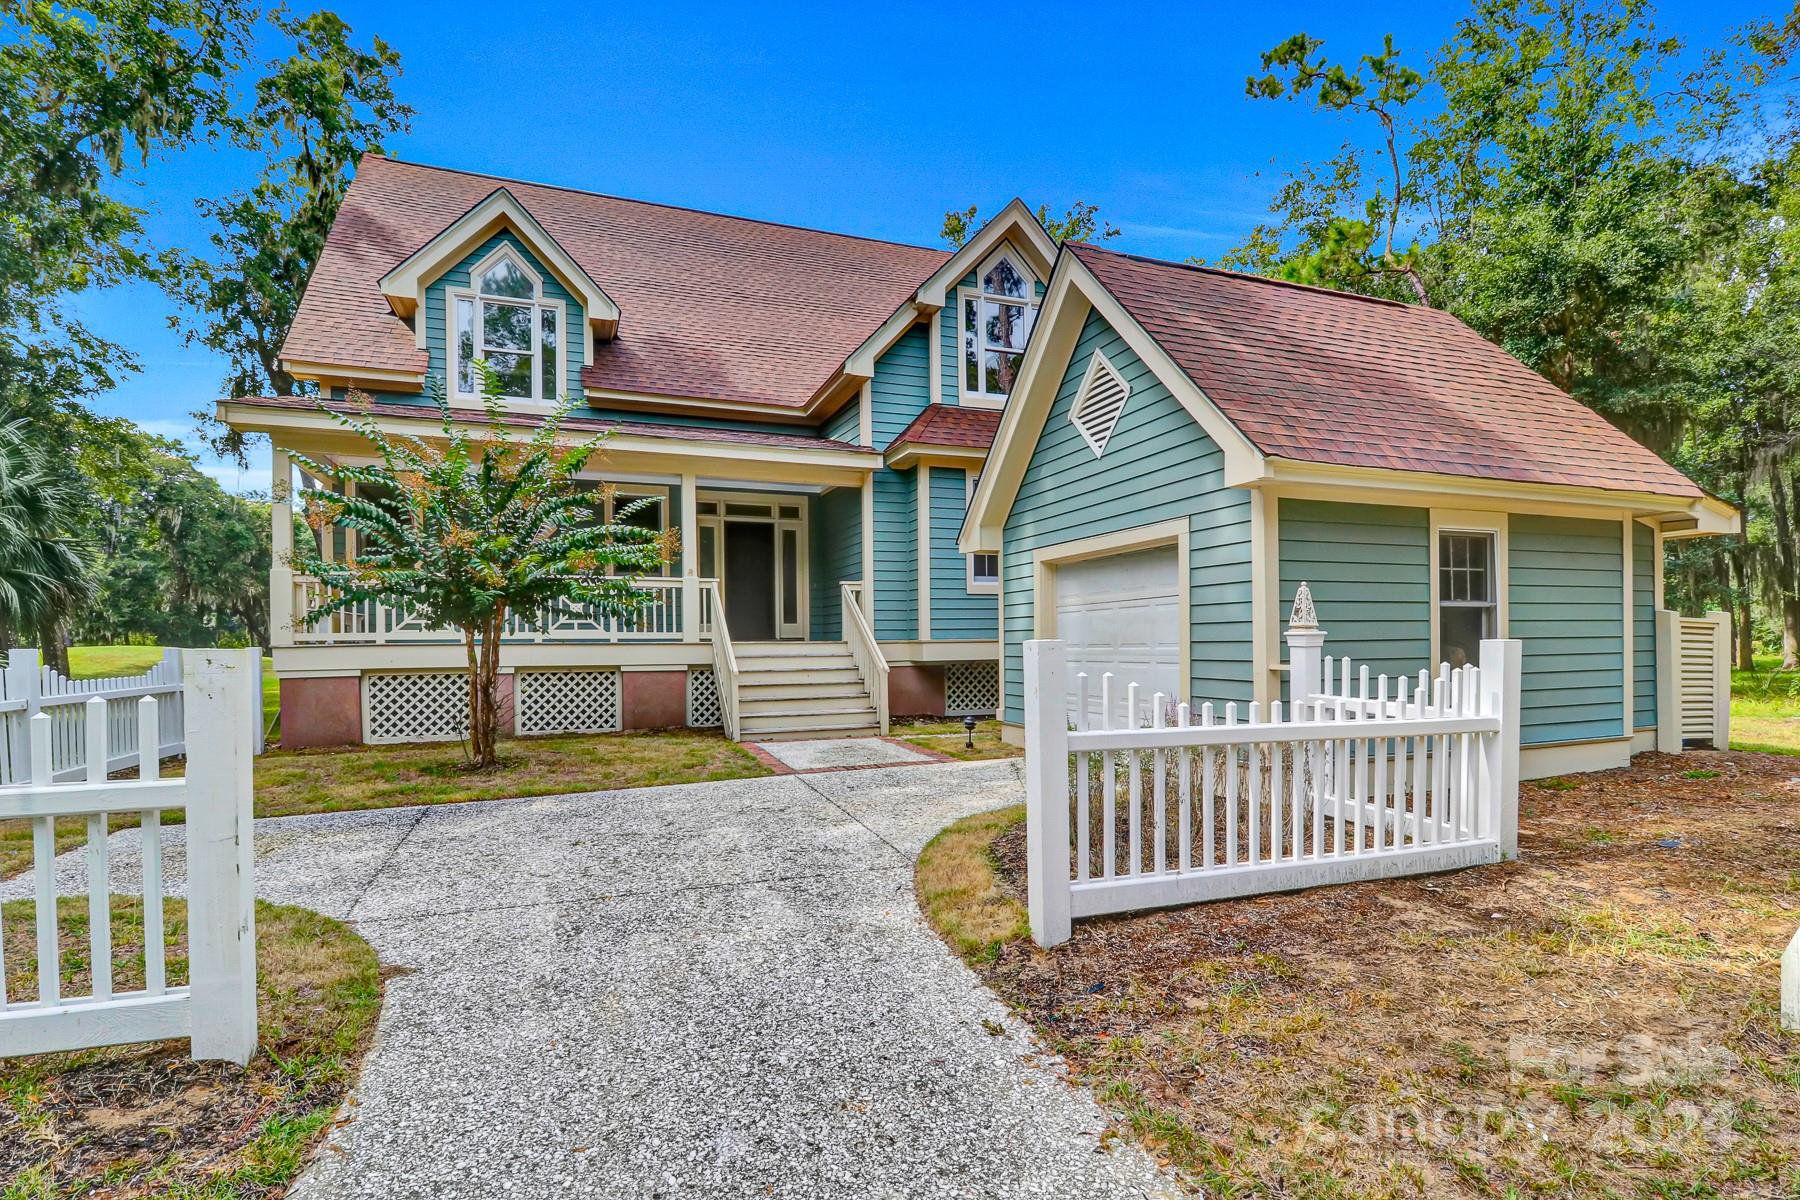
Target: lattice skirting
column 415, row 706
column 703, row 699
column 567, row 701
column 971, row 689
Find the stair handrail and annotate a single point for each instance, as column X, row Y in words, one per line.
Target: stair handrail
column 870, row 662
column 725, row 664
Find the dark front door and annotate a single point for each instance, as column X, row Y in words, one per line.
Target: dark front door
column 750, row 580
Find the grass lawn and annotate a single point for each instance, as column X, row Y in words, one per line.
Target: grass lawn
column 94, row 662
column 1595, row 1019
column 949, row 738
column 145, row 1121
column 1765, row 708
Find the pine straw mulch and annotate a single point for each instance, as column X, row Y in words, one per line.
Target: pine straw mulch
column 1595, row 1019
column 145, row 1120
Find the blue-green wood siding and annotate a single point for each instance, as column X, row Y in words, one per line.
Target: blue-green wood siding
column 1159, row 465
column 436, row 318
column 836, row 556
column 901, row 386
column 1566, row 602
column 896, row 556
column 950, row 343
column 1368, row 567
column 955, row 612
column 690, row 421
column 845, row 425
column 1644, row 570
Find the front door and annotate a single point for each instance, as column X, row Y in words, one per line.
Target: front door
column 750, row 580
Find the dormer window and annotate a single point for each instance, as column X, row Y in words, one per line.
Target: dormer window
column 997, row 316
column 505, row 318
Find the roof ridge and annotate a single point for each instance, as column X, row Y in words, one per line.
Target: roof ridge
column 504, row 180
column 1250, row 277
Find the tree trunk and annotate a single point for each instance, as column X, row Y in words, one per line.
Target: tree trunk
column 1790, row 633
column 54, row 649
column 1741, row 609
column 476, row 723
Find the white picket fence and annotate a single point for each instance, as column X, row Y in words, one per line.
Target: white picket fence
column 28, row 688
column 217, row 1009
column 1154, row 804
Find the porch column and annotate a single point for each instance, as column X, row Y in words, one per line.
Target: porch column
column 868, row 548
column 281, row 545
column 690, row 559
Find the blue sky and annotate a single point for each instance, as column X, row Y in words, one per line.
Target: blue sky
column 870, row 120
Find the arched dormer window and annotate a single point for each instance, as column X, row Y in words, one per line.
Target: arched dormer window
column 505, row 318
column 997, row 315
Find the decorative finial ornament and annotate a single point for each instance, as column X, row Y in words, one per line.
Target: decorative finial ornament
column 1303, row 616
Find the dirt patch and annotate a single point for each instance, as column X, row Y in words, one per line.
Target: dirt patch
column 145, row 1120
column 1597, row 1018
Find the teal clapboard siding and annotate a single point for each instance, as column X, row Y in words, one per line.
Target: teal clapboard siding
column 836, row 556
column 690, row 421
column 1368, row 567
column 1644, row 572
column 901, row 387
column 845, row 425
column 1159, row 465
column 437, row 318
column 950, row 343
column 1566, row 602
column 955, row 613
column 896, row 556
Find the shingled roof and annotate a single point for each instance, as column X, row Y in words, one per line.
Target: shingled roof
column 713, row 307
column 1327, row 377
column 950, row 425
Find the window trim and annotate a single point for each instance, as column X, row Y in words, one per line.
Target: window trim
column 964, row 293
column 1492, row 524
column 972, row 583
column 541, row 301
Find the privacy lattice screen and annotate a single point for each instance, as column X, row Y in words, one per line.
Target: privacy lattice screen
column 703, row 699
column 971, row 689
column 415, row 706
column 567, row 701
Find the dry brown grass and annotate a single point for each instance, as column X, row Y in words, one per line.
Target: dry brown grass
column 960, row 891
column 950, row 739
column 1596, row 1019
column 139, row 1121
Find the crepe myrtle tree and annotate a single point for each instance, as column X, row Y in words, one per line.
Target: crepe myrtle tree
column 468, row 528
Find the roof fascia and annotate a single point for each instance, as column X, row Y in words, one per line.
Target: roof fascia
column 404, row 285
column 1073, row 292
column 1016, row 224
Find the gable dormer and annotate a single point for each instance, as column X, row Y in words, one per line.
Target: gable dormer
column 494, row 284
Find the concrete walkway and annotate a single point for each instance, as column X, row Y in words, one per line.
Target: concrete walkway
column 703, row 991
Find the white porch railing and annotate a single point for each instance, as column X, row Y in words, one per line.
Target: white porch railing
column 217, row 1010
column 870, row 662
column 1186, row 806
column 725, row 664
column 28, row 688
column 660, row 620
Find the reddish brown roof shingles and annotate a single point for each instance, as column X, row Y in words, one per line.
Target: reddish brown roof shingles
column 1328, row 377
column 712, row 307
column 950, row 425
column 674, row 433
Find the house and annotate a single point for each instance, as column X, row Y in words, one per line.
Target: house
column 1175, row 451
column 1184, row 447
column 808, row 409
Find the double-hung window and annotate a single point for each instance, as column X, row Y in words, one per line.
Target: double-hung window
column 997, row 315
column 1468, row 588
column 505, row 318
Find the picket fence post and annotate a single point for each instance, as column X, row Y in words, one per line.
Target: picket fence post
column 221, row 844
column 23, row 682
column 1501, row 663
column 1047, row 792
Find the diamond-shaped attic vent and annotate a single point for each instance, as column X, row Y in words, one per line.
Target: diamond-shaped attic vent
column 1101, row 400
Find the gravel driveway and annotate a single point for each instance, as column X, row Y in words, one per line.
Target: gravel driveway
column 698, row 991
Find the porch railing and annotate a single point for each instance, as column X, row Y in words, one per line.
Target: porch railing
column 725, row 666
column 866, row 651
column 659, row 620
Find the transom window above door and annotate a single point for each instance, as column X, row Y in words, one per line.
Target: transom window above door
column 997, row 316
column 505, row 318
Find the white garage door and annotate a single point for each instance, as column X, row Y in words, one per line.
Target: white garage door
column 1122, row 614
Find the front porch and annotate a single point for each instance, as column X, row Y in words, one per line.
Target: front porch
column 762, row 624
